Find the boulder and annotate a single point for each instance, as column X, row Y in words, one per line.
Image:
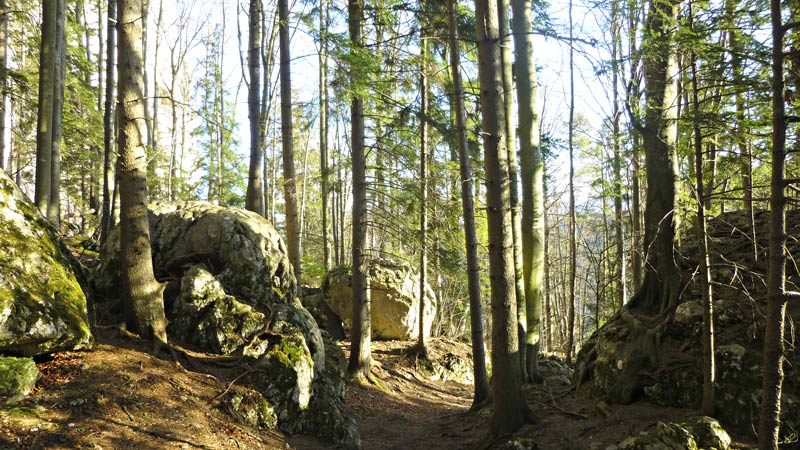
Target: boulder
column 237, row 293
column 326, row 318
column 634, row 356
column 251, row 408
column 696, row 433
column 17, row 377
column 43, row 308
column 394, row 291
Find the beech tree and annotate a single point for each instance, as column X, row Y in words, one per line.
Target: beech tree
column 143, row 295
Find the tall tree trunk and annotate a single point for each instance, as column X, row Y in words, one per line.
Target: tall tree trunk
column 772, row 381
column 287, row 144
column 422, row 346
column 108, row 121
column 511, row 409
column 143, row 294
column 707, row 407
column 59, row 71
column 325, row 181
column 481, row 385
column 360, row 332
column 44, row 129
column 572, row 238
column 156, row 94
column 620, row 263
column 254, row 196
column 660, row 288
column 532, row 174
column 3, row 84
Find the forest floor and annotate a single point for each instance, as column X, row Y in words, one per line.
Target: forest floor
column 119, row 396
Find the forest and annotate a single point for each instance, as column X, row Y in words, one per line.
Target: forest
column 388, row 224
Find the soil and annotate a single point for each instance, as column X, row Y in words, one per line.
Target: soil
column 120, row 396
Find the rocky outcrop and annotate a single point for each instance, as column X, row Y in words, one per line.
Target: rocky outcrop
column 17, row 377
column 694, row 434
column 633, row 356
column 43, row 308
column 394, row 291
column 232, row 290
column 326, row 318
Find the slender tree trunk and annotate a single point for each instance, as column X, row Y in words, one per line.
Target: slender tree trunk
column 481, row 385
column 532, row 174
column 422, row 346
column 707, row 407
column 511, row 409
column 360, row 332
column 59, row 70
column 44, row 130
column 325, row 181
column 108, row 121
column 572, row 238
column 619, row 238
column 772, row 381
column 254, row 197
column 3, row 84
column 156, row 94
column 143, row 294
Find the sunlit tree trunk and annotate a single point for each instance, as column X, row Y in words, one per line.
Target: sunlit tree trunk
column 3, row 84
column 254, row 196
column 532, row 177
column 510, row 408
column 572, row 225
column 59, row 71
column 143, row 295
column 44, row 129
column 325, row 181
column 108, row 120
column 422, row 345
column 360, row 332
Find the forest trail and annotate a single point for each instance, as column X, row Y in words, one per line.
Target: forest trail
column 119, row 396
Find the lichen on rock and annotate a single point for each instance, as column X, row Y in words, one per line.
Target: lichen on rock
column 17, row 377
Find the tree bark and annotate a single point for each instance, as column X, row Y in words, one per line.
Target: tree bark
column 325, row 181
column 108, row 121
column 532, row 177
column 481, row 385
column 572, row 224
column 620, row 263
column 772, row 381
column 3, row 84
column 143, row 294
column 360, row 332
column 44, row 128
column 422, row 346
column 510, row 410
column 59, row 71
column 254, row 200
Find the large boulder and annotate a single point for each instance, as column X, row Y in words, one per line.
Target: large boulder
column 42, row 306
column 633, row 356
column 694, row 434
column 17, row 377
column 232, row 290
column 394, row 291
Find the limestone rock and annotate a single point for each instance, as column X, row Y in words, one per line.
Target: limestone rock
column 326, row 318
column 708, row 432
column 17, row 377
column 696, row 433
column 204, row 315
column 237, row 292
column 394, row 291
column 251, row 408
column 43, row 308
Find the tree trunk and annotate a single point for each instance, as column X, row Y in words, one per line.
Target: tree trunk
column 660, row 288
column 620, row 263
column 59, row 71
column 707, row 407
column 3, row 84
column 143, row 294
column 572, row 238
column 772, row 381
column 481, row 385
column 325, row 181
column 254, row 197
column 44, row 130
column 108, row 118
column 510, row 408
column 532, row 175
column 422, row 346
column 360, row 332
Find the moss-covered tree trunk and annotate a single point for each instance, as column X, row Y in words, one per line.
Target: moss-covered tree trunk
column 143, row 294
column 510, row 408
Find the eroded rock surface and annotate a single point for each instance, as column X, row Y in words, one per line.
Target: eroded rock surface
column 233, row 291
column 634, row 356
column 394, row 290
column 43, row 308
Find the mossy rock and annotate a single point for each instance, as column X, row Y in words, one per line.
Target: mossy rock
column 251, row 408
column 43, row 308
column 17, row 377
